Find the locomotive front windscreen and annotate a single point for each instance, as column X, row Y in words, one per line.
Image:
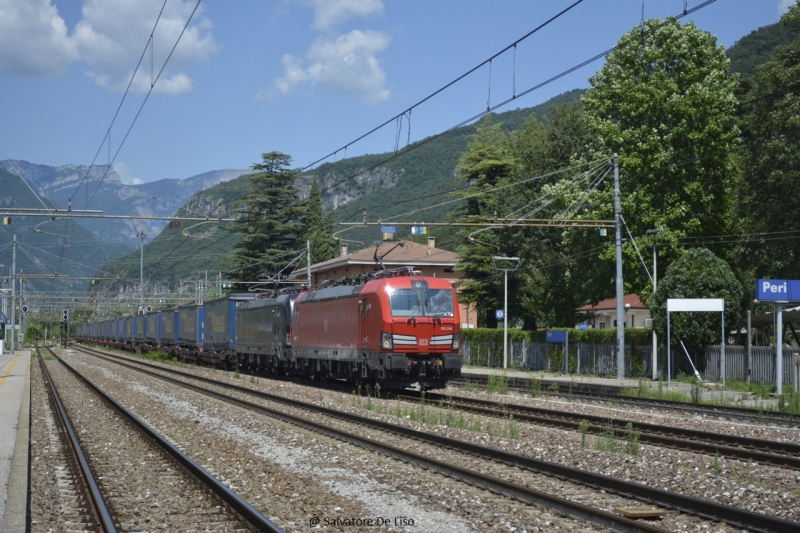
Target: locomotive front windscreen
column 421, row 302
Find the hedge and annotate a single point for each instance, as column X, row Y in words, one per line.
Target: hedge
column 639, row 336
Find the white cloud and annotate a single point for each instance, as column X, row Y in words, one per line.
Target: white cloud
column 784, row 5
column 329, row 13
column 33, row 39
column 125, row 174
column 347, row 64
column 112, row 35
column 109, row 38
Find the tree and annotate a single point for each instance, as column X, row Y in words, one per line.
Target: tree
column 664, row 101
column 486, row 164
column 269, row 221
column 772, row 162
column 697, row 274
column 319, row 227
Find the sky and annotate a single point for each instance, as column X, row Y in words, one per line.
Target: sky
column 303, row 77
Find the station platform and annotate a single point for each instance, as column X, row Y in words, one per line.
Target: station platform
column 610, row 385
column 14, row 434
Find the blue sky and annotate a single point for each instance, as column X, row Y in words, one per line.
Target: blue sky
column 304, row 77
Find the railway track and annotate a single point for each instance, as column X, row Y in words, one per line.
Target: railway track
column 78, row 492
column 510, row 474
column 176, row 488
column 602, row 393
column 743, row 448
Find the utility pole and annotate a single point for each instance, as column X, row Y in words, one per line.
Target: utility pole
column 308, row 264
column 655, row 277
column 620, row 286
column 142, row 236
column 505, row 302
column 13, row 297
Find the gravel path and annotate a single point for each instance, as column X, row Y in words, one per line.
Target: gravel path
column 759, row 488
column 304, row 475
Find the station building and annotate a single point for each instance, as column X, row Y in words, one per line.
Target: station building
column 604, row 314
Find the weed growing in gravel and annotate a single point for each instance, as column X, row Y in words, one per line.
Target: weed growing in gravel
column 237, row 375
column 536, row 388
column 512, row 428
column 553, row 388
column 497, row 384
column 583, row 427
column 607, row 442
column 631, row 440
column 468, row 386
column 253, row 380
column 717, row 467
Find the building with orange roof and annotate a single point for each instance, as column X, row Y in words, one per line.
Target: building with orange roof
column 604, row 314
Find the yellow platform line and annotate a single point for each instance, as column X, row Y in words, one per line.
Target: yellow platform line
column 2, row 381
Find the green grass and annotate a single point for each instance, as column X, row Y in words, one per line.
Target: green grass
column 497, row 384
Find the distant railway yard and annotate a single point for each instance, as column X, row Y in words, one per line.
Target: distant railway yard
column 259, row 453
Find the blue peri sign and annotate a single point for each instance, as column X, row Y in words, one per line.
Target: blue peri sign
column 778, row 290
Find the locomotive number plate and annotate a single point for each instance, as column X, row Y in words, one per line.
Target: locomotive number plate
column 423, row 342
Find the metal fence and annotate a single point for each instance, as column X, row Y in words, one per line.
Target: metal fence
column 595, row 359
column 601, row 360
column 763, row 363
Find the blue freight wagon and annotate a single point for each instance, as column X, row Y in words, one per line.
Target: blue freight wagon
column 219, row 327
column 190, row 329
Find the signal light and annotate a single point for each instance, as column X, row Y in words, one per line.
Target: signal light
column 6, row 221
column 24, row 308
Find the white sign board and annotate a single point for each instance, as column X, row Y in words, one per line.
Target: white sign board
column 695, row 304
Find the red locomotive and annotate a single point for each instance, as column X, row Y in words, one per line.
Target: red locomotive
column 398, row 330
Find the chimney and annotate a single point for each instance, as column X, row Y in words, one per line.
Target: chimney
column 431, row 242
column 342, row 250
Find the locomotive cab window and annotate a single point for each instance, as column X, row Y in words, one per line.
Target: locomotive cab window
column 421, row 302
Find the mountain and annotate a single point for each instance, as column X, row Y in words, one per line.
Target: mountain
column 386, row 185
column 757, row 47
column 97, row 189
column 49, row 252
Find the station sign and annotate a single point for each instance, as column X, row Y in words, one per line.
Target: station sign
column 388, row 229
column 556, row 336
column 158, row 223
column 778, row 290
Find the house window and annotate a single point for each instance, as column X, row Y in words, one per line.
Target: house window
column 601, row 325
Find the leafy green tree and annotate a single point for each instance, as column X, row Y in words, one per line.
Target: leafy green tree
column 269, row 221
column 772, row 162
column 319, row 227
column 487, row 164
column 550, row 292
column 664, row 101
column 697, row 274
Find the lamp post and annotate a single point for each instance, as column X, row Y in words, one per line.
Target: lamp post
column 655, row 342
column 495, row 259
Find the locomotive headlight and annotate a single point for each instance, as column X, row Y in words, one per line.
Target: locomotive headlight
column 456, row 341
column 386, row 341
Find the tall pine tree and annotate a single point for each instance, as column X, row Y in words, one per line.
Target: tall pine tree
column 269, row 220
column 319, row 227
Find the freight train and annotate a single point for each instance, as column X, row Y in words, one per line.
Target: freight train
column 392, row 327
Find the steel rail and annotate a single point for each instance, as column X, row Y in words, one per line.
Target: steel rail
column 247, row 511
column 473, row 477
column 99, row 508
column 613, row 393
column 729, row 446
column 736, row 516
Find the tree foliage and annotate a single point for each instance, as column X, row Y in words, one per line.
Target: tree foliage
column 697, row 274
column 269, row 221
column 772, row 162
column 664, row 101
column 318, row 227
